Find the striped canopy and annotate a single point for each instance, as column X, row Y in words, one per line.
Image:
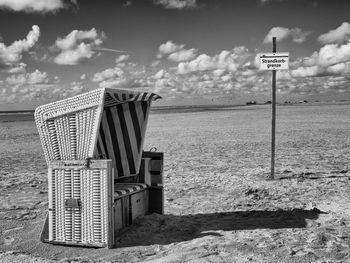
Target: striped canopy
column 100, row 124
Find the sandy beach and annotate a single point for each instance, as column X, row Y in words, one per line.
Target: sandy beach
column 219, row 205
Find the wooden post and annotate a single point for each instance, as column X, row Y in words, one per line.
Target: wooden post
column 273, row 129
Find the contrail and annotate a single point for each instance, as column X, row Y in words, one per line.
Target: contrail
column 110, row 50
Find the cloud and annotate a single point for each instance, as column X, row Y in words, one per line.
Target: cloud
column 183, row 55
column 122, row 58
column 168, row 48
column 71, row 40
column 177, row 4
column 19, row 68
column 330, row 60
column 175, row 52
column 110, row 73
column 37, row 86
column 74, row 56
column 338, row 35
column 329, row 55
column 117, row 83
column 11, row 55
column 35, row 77
column 76, row 87
column 282, row 33
column 29, row 6
column 306, row 72
column 160, row 74
column 77, row 46
column 225, row 60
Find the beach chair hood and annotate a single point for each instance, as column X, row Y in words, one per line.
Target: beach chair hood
column 100, row 124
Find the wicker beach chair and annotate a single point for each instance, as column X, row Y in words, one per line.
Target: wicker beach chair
column 99, row 177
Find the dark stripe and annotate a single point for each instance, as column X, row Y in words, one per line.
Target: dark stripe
column 99, row 151
column 103, row 139
column 274, row 56
column 114, row 141
column 131, row 96
column 136, row 124
column 144, row 105
column 144, row 96
column 151, row 97
column 137, row 96
column 117, row 96
column 124, row 96
column 126, row 140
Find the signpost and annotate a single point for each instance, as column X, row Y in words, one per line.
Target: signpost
column 274, row 61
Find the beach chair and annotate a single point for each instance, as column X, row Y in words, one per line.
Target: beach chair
column 99, row 178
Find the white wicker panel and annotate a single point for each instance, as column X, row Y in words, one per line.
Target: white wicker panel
column 87, row 224
column 68, row 128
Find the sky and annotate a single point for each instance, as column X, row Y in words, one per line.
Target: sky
column 188, row 51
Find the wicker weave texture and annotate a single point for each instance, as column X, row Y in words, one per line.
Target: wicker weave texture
column 87, row 223
column 68, row 128
column 71, row 129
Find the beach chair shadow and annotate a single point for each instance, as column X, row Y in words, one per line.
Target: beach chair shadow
column 167, row 229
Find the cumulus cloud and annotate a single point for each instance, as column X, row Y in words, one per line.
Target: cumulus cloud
column 110, row 73
column 19, row 68
column 338, row 35
column 183, row 55
column 225, row 60
column 330, row 60
column 177, row 4
column 35, row 77
column 122, row 58
column 71, row 40
column 77, row 46
column 11, row 55
column 282, row 33
column 160, row 74
column 168, row 48
column 341, row 69
column 329, row 55
column 176, row 52
column 305, row 72
column 28, row 6
column 74, row 56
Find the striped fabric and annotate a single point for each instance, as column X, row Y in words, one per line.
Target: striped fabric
column 122, row 130
column 113, row 98
column 127, row 189
column 103, row 124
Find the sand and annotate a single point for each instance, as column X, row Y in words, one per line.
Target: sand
column 219, row 205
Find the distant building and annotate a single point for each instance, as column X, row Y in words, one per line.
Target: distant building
column 253, row 102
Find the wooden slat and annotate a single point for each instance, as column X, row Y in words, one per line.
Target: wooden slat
column 50, row 213
column 139, row 204
column 110, row 210
column 79, row 164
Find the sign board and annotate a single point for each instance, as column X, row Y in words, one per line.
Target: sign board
column 274, row 61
